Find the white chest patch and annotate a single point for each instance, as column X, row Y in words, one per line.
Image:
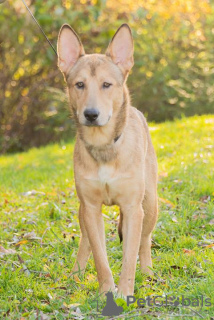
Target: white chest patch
column 105, row 173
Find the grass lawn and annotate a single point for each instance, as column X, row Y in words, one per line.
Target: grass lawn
column 39, row 231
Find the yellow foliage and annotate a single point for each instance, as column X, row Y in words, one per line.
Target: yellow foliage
column 7, row 94
column 19, row 73
column 25, row 92
column 21, row 39
column 67, row 4
column 179, row 9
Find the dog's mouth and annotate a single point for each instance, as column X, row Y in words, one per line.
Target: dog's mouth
column 92, row 124
column 96, row 123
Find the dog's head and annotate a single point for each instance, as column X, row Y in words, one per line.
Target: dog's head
column 95, row 81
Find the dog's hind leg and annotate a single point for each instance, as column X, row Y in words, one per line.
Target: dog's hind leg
column 150, row 207
column 84, row 247
column 120, row 227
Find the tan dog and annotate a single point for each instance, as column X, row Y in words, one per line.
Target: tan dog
column 114, row 160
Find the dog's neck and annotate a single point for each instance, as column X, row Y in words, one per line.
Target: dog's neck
column 101, row 142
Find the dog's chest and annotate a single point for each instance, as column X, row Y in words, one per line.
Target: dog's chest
column 105, row 173
column 107, row 177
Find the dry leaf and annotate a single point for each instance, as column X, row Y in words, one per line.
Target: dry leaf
column 211, row 222
column 21, row 242
column 210, row 245
column 33, row 193
column 76, row 278
column 189, row 252
column 71, row 306
column 166, row 201
column 4, row 251
column 31, row 236
column 205, row 198
column 91, row 277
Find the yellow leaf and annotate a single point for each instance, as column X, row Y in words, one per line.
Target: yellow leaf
column 76, row 278
column 91, row 277
column 46, row 267
column 21, row 242
column 189, row 252
column 210, row 245
column 166, row 201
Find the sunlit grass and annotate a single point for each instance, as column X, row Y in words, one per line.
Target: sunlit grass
column 38, row 219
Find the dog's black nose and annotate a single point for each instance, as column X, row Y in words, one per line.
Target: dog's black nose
column 91, row 114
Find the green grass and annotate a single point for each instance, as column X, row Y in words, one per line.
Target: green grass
column 42, row 227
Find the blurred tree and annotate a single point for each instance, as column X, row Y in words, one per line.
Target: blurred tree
column 173, row 73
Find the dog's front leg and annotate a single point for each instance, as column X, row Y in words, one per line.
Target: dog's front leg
column 84, row 246
column 131, row 229
column 94, row 225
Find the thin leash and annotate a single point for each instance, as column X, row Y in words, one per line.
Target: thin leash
column 37, row 23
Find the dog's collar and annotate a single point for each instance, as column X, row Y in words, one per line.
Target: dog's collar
column 117, row 138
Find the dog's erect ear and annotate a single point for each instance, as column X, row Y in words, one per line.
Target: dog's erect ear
column 121, row 48
column 69, row 48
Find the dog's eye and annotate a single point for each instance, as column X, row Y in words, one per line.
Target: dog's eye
column 106, row 85
column 79, row 85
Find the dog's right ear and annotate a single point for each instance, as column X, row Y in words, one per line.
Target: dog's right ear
column 69, row 48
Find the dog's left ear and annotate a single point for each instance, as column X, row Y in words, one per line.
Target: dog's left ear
column 121, row 49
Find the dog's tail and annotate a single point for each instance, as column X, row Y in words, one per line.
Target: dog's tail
column 120, row 225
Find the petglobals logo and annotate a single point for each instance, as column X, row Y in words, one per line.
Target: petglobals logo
column 111, row 308
column 166, row 301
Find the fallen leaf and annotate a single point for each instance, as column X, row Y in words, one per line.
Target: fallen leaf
column 71, row 306
column 205, row 242
column 76, row 278
column 211, row 222
column 46, row 267
column 4, row 251
column 205, row 198
column 24, row 267
column 189, row 252
column 42, row 316
column 31, row 236
column 33, row 193
column 50, row 296
column 78, row 310
column 91, row 277
column 21, row 242
column 166, row 201
column 210, row 245
column 178, row 181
